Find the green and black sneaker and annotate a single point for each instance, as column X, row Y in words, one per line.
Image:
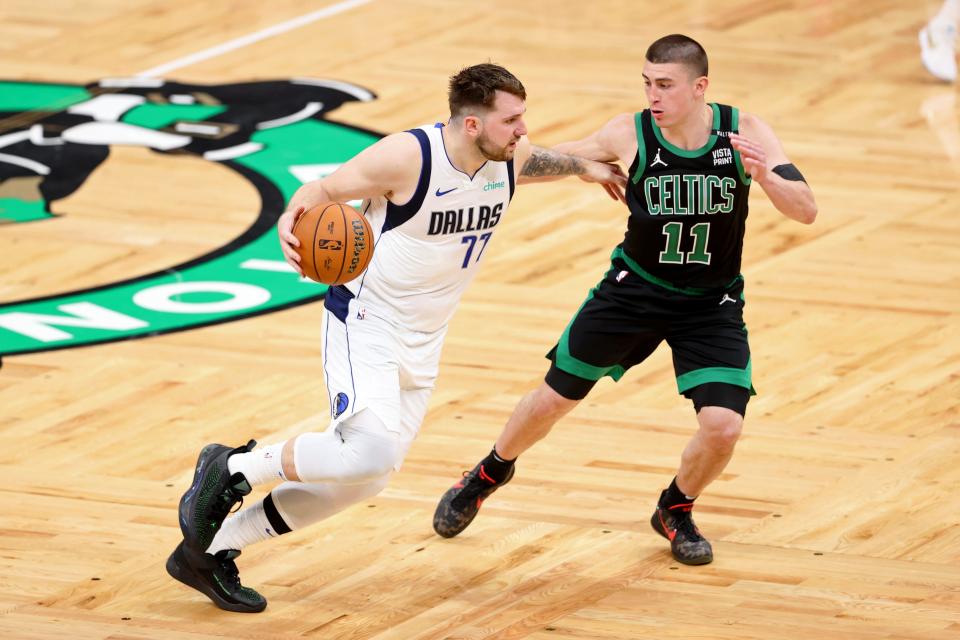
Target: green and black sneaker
column 215, row 576
column 212, row 495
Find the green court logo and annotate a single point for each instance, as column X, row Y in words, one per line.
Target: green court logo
column 273, row 133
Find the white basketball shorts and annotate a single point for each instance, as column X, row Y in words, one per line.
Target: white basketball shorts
column 370, row 362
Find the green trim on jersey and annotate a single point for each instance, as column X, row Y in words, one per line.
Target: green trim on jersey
column 566, row 362
column 728, row 375
column 735, row 126
column 641, row 147
column 660, row 282
column 694, row 153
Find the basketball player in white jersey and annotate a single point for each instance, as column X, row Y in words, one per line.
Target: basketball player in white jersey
column 434, row 197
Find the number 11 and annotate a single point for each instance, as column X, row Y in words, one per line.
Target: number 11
column 672, row 254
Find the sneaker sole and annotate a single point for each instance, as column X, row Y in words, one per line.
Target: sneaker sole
column 695, row 562
column 187, row 577
column 186, row 500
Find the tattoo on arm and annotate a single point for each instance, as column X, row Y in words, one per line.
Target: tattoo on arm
column 546, row 162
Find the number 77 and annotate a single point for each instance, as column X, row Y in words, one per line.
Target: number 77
column 472, row 241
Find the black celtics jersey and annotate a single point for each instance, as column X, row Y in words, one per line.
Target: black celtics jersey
column 688, row 209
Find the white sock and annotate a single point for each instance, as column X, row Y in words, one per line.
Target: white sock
column 298, row 504
column 948, row 13
column 242, row 529
column 260, row 465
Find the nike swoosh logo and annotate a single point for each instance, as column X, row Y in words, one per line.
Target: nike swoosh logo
column 443, row 193
column 671, row 533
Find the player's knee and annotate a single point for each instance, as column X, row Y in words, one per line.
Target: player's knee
column 359, row 449
column 549, row 406
column 370, row 449
column 381, row 462
column 721, row 427
column 375, row 486
column 373, row 457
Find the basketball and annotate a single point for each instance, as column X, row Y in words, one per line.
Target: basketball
column 336, row 243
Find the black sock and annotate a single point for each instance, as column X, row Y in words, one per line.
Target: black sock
column 672, row 496
column 495, row 467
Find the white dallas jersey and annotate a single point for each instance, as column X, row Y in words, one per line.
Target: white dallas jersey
column 428, row 250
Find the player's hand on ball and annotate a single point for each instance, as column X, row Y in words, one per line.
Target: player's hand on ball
column 288, row 241
column 334, row 243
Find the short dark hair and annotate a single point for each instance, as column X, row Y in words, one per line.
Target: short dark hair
column 679, row 48
column 477, row 86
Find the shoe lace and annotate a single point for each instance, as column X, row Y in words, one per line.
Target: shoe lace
column 683, row 522
column 231, row 575
column 473, row 486
column 224, row 503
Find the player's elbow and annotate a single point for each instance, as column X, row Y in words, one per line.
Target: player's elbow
column 315, row 190
column 809, row 213
column 803, row 209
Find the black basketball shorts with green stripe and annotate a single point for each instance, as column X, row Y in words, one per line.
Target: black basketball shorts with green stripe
column 627, row 315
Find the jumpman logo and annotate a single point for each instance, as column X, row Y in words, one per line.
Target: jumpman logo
column 727, row 298
column 657, row 159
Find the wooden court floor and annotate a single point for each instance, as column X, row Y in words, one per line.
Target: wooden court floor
column 839, row 516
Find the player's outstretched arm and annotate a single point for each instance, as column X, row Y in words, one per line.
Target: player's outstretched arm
column 615, row 141
column 538, row 164
column 389, row 168
column 767, row 163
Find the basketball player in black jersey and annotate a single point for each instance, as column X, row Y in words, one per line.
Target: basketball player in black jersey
column 676, row 277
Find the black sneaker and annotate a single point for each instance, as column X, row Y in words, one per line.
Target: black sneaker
column 676, row 525
column 460, row 504
column 212, row 495
column 215, row 576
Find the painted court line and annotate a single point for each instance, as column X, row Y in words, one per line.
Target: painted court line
column 257, row 36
